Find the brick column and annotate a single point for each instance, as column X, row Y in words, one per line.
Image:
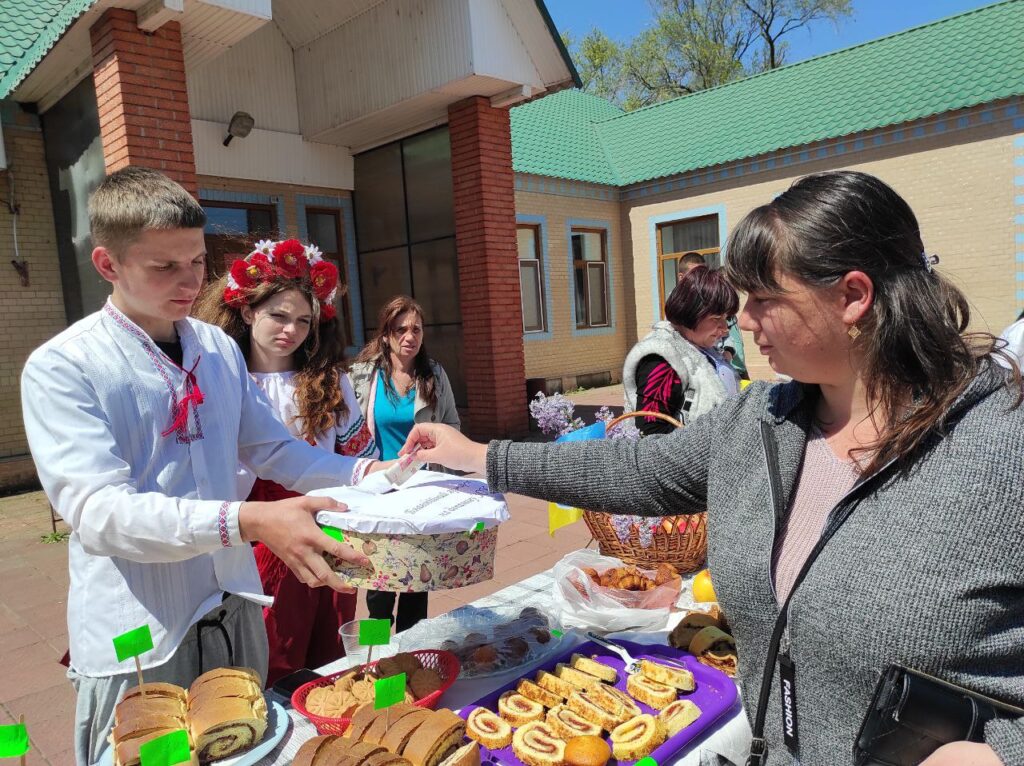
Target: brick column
column 485, row 235
column 140, row 91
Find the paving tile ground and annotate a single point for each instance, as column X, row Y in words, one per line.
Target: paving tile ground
column 34, row 582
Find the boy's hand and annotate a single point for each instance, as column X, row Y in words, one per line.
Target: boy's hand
column 447, row 446
column 289, row 529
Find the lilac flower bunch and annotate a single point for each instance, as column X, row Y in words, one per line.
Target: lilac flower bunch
column 625, row 430
column 555, row 415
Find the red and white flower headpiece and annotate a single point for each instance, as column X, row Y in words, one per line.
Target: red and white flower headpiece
column 287, row 260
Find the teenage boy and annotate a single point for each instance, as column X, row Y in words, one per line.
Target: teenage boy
column 138, row 417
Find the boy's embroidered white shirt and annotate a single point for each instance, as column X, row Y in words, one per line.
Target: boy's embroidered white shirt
column 150, row 514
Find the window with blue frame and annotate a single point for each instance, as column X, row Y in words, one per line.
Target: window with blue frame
column 590, row 277
column 232, row 228
column 678, row 238
column 531, row 278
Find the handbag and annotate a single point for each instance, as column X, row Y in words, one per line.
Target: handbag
column 912, row 714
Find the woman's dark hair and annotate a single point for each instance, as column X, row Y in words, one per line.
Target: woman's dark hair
column 701, row 292
column 318, row 362
column 918, row 355
column 378, row 351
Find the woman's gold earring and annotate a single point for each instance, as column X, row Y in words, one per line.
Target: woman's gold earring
column 853, row 332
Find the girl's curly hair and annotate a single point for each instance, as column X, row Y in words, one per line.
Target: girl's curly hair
column 318, row 362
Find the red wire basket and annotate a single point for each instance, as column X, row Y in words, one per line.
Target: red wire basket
column 444, row 663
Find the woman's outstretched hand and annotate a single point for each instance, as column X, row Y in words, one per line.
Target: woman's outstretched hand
column 447, row 446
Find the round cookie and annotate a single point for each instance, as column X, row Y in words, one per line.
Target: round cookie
column 344, row 683
column 424, row 682
column 329, row 703
column 362, row 690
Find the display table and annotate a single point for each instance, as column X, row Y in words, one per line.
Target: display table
column 731, row 739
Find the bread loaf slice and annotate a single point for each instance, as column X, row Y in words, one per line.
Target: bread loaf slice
column 226, row 726
column 357, row 753
column 467, row 755
column 126, row 752
column 398, row 736
column 435, row 739
column 380, row 724
column 308, row 751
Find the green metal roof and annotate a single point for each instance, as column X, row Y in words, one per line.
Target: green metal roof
column 28, row 29
column 962, row 61
column 556, row 136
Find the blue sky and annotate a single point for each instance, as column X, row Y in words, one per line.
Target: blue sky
column 623, row 19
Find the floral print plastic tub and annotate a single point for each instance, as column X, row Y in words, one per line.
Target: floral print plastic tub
column 417, row 563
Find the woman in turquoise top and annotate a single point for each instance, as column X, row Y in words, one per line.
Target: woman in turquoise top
column 393, row 417
column 398, row 385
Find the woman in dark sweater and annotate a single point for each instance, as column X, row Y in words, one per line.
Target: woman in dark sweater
column 898, row 434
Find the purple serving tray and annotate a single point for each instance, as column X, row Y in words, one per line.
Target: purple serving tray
column 715, row 695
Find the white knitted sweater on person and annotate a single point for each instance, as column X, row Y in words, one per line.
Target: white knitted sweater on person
column 702, row 387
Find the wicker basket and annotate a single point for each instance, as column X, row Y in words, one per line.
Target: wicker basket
column 681, row 541
column 444, row 663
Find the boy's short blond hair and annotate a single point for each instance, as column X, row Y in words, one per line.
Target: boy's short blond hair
column 134, row 199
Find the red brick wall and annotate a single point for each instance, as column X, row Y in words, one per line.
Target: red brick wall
column 142, row 98
column 485, row 235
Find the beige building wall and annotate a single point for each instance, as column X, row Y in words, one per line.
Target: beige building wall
column 564, row 351
column 960, row 184
column 35, row 313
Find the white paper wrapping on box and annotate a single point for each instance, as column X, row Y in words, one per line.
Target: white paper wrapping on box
column 429, row 503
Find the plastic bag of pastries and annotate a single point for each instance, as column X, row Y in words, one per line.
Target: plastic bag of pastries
column 486, row 641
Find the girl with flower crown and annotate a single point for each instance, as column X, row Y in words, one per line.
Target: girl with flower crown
column 278, row 305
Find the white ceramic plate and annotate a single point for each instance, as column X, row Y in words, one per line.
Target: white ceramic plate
column 278, row 722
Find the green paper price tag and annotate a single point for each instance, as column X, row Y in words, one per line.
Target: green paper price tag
column 334, row 532
column 374, row 632
column 648, row 761
column 388, row 691
column 556, row 633
column 133, row 643
column 13, row 740
column 478, row 527
column 167, row 750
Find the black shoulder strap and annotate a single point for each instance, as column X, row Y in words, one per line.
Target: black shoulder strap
column 839, row 514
